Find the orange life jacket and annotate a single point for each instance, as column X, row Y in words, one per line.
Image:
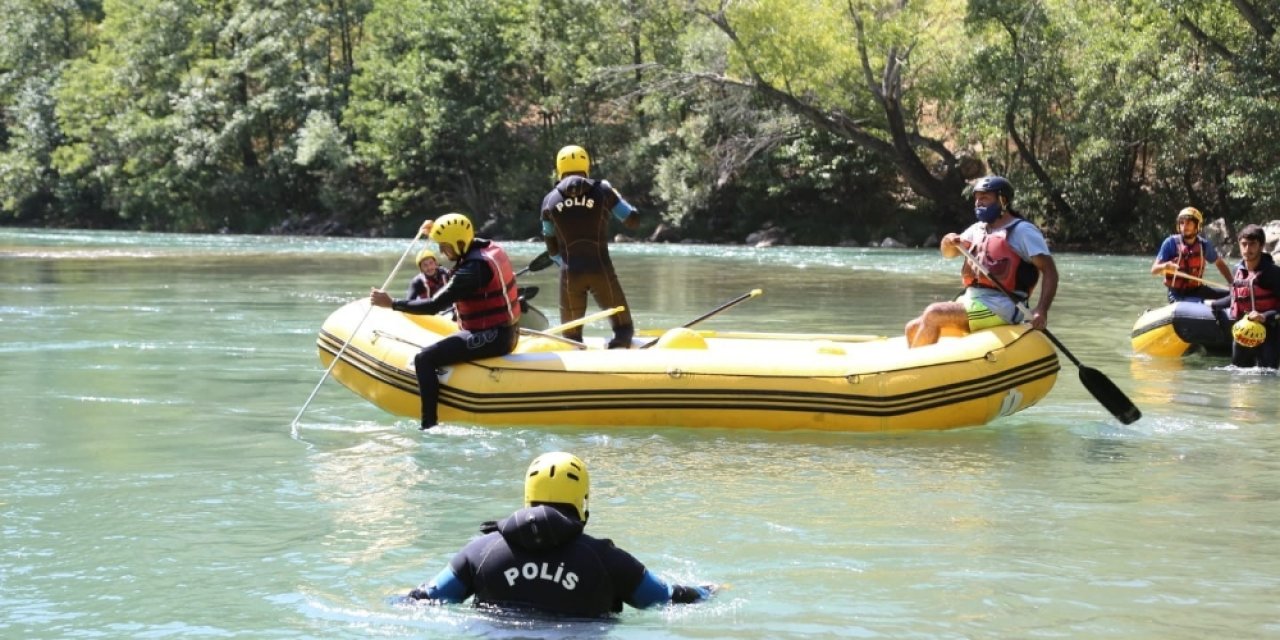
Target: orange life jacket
column 497, row 303
column 997, row 256
column 1190, row 260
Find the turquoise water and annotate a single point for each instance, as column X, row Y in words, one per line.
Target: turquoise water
column 153, row 488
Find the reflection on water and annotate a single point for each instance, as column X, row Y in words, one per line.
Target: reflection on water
column 150, row 381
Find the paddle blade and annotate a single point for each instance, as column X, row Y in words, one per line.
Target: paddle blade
column 541, row 262
column 1109, row 395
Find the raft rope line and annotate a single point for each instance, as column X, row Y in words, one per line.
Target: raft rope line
column 604, row 399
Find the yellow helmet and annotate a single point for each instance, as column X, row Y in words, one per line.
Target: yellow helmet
column 453, row 229
column 424, row 254
column 572, row 159
column 1194, row 214
column 1248, row 333
column 559, row 478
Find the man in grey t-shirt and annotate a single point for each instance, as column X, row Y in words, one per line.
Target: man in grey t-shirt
column 1012, row 250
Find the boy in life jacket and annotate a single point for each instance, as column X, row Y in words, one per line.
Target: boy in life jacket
column 1012, row 250
column 482, row 291
column 430, row 279
column 1187, row 252
column 1255, row 295
column 539, row 560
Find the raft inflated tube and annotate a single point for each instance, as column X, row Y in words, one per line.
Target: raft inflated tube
column 681, row 338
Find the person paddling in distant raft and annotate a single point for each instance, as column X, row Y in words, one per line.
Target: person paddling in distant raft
column 538, row 558
column 482, row 290
column 1255, row 303
column 1012, row 249
column 575, row 225
column 1187, row 252
column 430, row 279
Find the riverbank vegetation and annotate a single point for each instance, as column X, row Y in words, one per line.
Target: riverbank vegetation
column 829, row 120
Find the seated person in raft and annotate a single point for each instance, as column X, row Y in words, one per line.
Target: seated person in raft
column 1011, row 249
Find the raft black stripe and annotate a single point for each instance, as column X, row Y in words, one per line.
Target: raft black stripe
column 649, row 399
column 733, row 399
column 1151, row 326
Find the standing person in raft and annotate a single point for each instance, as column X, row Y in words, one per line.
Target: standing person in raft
column 1188, row 252
column 430, row 279
column 539, row 559
column 1255, row 303
column 575, row 225
column 1012, row 250
column 482, row 290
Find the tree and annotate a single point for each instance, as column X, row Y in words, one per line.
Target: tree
column 37, row 39
column 858, row 71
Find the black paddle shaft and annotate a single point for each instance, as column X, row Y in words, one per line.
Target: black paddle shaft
column 746, row 296
column 1103, row 389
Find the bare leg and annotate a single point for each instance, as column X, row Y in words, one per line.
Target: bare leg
column 913, row 328
column 935, row 318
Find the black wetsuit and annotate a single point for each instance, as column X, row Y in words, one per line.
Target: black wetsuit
column 469, row 277
column 579, row 208
column 539, row 559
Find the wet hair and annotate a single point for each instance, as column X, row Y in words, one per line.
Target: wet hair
column 1253, row 232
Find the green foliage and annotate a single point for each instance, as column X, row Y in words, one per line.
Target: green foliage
column 37, row 39
column 250, row 115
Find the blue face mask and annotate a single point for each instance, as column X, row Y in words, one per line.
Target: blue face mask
column 989, row 213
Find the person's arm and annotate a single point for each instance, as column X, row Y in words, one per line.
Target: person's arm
column 950, row 245
column 553, row 243
column 445, row 587
column 628, row 215
column 549, row 238
column 1165, row 257
column 1224, row 270
column 1048, row 289
column 469, row 277
column 418, row 288
column 1269, row 280
column 653, row 591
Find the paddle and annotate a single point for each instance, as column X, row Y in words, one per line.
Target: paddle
column 542, row 261
column 561, row 328
column 293, row 428
column 1103, row 389
column 1190, row 277
column 746, row 296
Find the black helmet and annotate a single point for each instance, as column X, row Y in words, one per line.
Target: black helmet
column 997, row 185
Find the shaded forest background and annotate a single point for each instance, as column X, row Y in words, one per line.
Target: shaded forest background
column 828, row 120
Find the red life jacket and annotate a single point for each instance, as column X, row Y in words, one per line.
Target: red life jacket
column 436, row 282
column 425, row 286
column 1190, row 260
column 1247, row 296
column 997, row 256
column 497, row 303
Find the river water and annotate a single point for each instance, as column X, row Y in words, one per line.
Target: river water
column 152, row 487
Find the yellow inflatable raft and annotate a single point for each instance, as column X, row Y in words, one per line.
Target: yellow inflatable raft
column 1179, row 329
column 825, row 382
